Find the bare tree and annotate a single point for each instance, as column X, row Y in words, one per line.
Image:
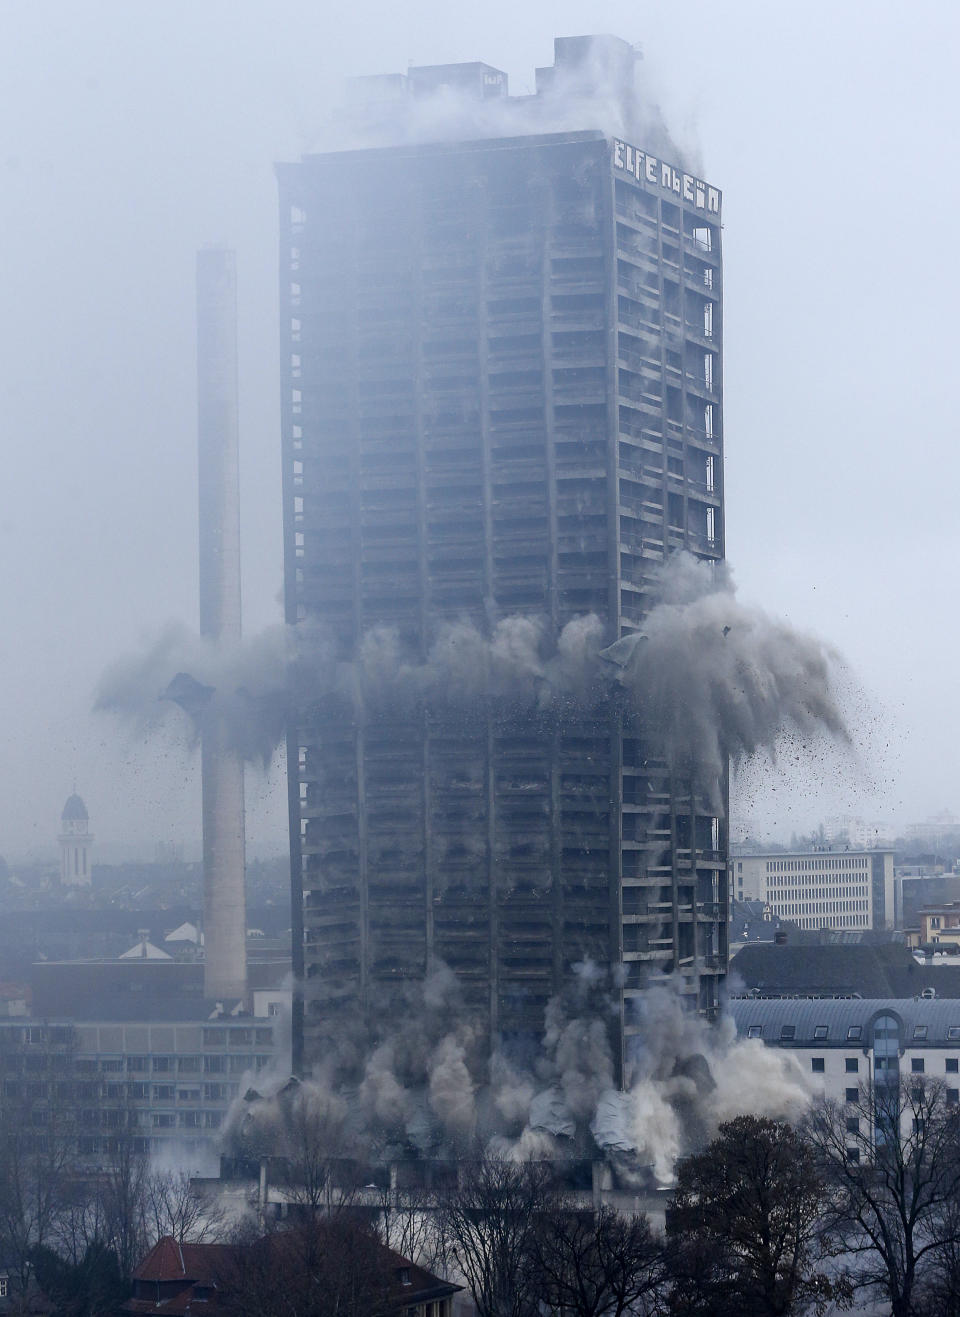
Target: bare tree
column 490, row 1224
column 175, row 1206
column 123, row 1202
column 37, row 1146
column 80, row 1222
column 744, row 1226
column 324, row 1267
column 314, row 1166
column 301, row 1131
column 892, row 1160
column 937, row 1293
column 407, row 1221
column 598, row 1263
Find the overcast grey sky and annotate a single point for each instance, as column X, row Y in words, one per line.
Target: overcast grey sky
column 132, row 133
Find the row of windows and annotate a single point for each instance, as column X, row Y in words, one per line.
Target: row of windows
column 788, row 909
column 829, row 921
column 215, row 1064
column 852, row 1066
column 170, row 1093
column 837, row 862
column 788, row 1032
column 785, row 885
column 210, row 1120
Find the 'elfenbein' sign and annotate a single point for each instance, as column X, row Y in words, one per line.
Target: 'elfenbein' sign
column 648, row 169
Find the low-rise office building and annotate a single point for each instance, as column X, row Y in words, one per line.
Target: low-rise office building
column 129, row 1050
column 168, row 1086
column 819, row 888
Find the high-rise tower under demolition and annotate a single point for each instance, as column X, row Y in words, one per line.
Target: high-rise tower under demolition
column 502, row 412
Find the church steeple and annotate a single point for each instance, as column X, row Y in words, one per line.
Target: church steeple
column 76, row 841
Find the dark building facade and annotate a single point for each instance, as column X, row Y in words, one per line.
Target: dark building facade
column 502, row 400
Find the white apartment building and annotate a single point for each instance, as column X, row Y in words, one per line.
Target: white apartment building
column 842, row 1044
column 819, row 889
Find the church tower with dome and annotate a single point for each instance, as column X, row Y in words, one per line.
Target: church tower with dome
column 76, row 841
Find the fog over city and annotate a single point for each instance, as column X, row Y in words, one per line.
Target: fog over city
column 133, row 135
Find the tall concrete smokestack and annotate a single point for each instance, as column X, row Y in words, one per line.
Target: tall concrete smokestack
column 224, row 895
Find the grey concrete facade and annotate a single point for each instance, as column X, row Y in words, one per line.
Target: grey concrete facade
column 502, row 397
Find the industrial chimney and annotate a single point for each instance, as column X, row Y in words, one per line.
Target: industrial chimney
column 224, row 895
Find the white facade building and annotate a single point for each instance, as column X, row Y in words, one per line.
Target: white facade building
column 819, row 889
column 845, row 1045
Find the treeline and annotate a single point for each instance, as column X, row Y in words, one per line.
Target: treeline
column 862, row 1200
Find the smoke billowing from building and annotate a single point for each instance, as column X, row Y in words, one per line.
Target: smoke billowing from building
column 412, row 1082
column 182, row 679
column 714, row 679
column 595, row 83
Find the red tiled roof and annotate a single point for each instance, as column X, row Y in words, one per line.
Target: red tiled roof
column 169, row 1261
column 198, row 1264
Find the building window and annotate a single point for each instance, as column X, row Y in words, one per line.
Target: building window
column 853, row 1094
column 953, row 1096
column 853, row 1125
column 816, row 1065
column 787, row 1032
column 953, row 1032
column 853, row 1154
column 854, row 1033
column 852, row 1065
column 917, row 1065
column 755, row 1031
column 920, row 1031
column 4, row 1291
column 820, row 1031
column 953, row 1065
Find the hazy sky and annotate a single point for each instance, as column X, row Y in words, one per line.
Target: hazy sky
column 132, row 133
